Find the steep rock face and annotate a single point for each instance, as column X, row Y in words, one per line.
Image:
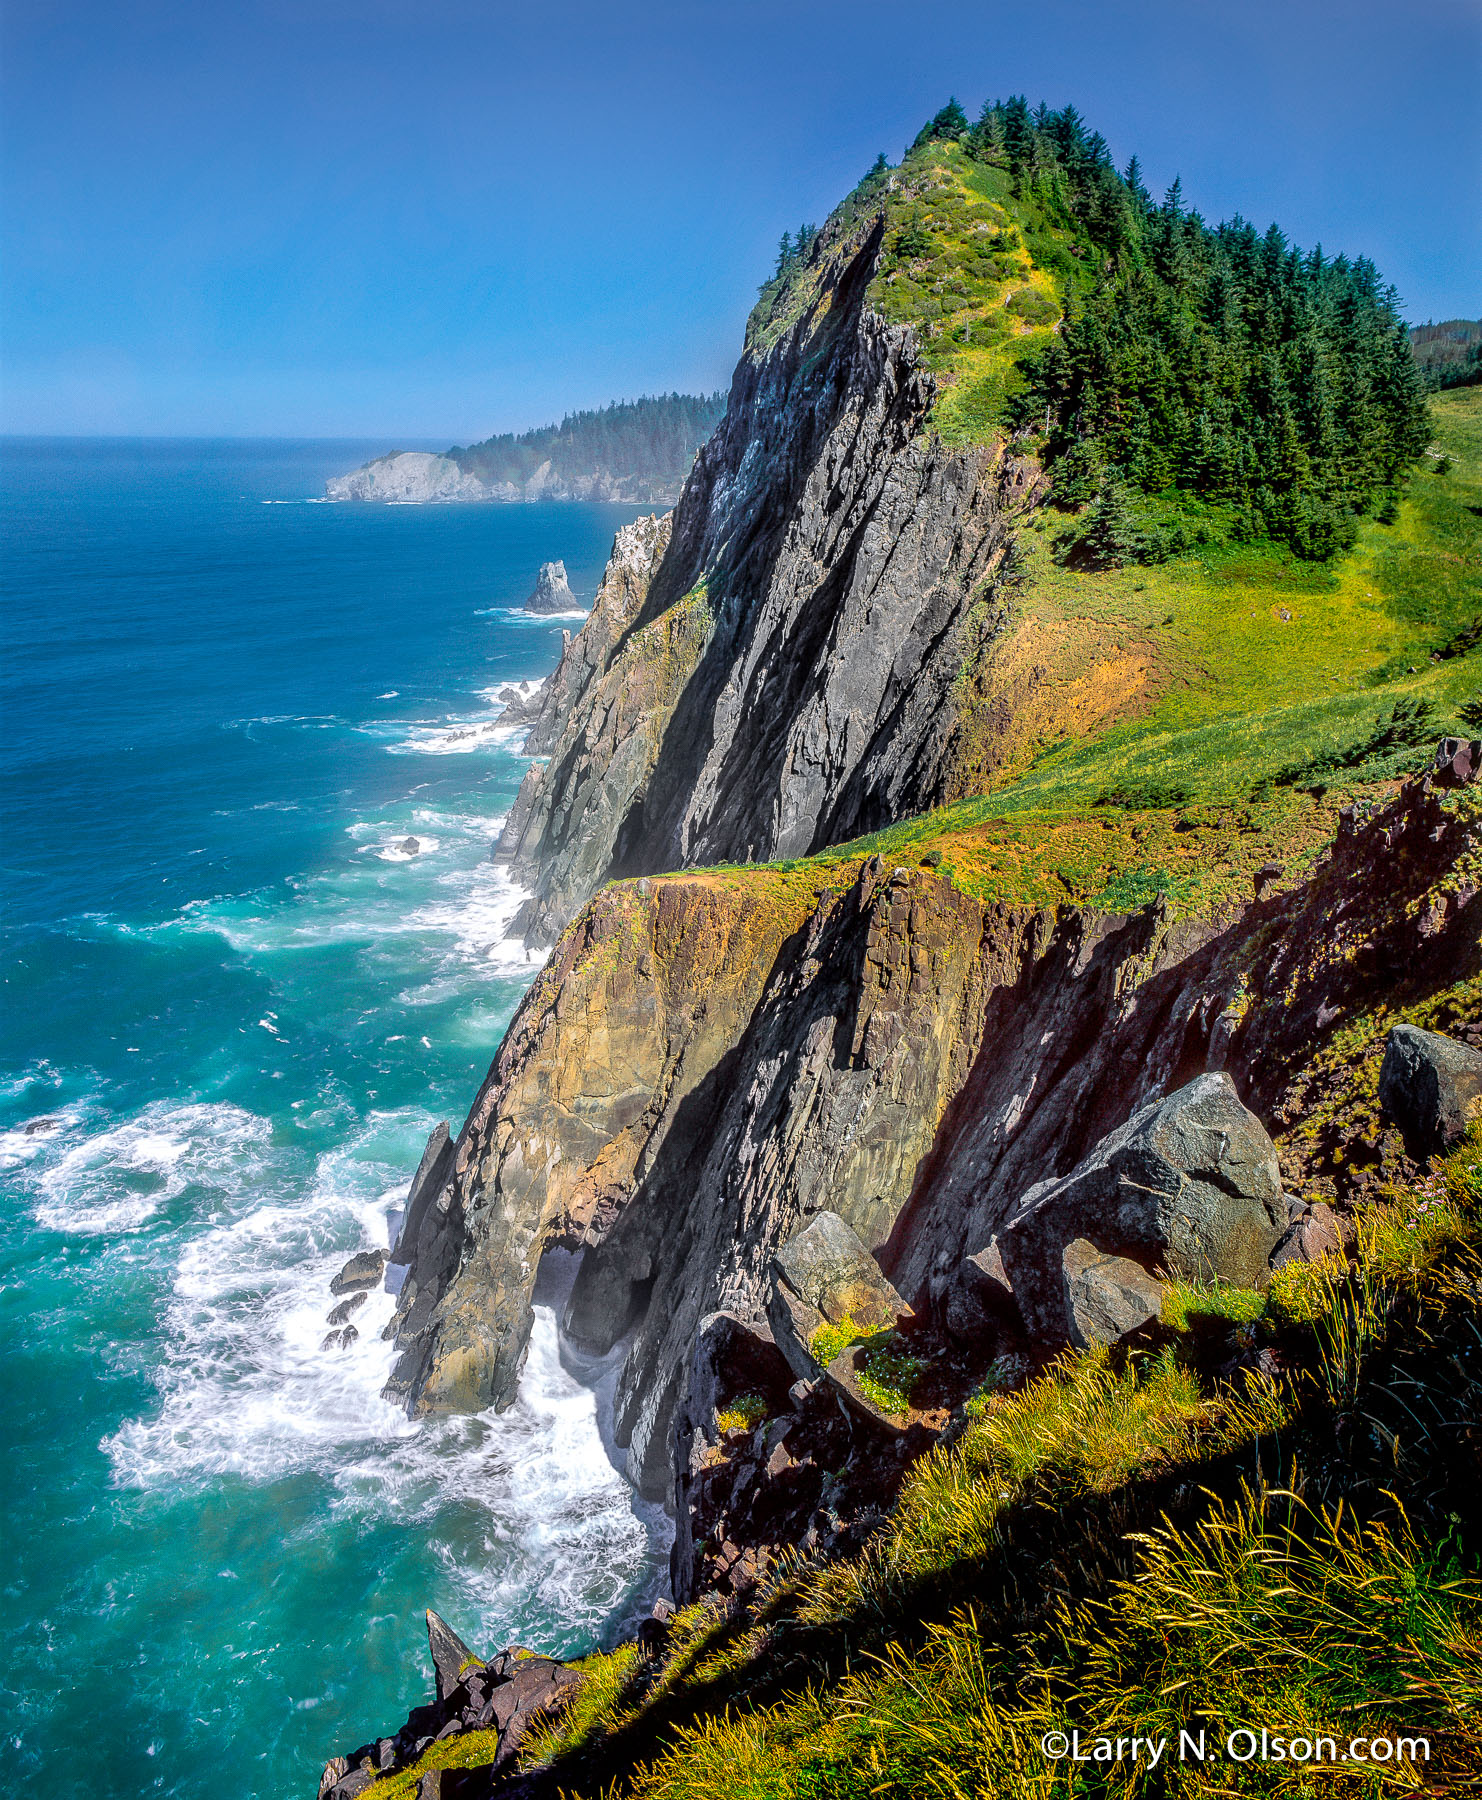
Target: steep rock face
column 644, row 997
column 578, row 818
column 552, row 592
column 709, row 1061
column 788, row 679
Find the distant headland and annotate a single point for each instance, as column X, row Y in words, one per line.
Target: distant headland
column 635, row 451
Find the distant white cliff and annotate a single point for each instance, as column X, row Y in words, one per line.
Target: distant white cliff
column 418, row 476
column 408, row 476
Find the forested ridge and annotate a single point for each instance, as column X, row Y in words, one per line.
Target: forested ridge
column 654, row 437
column 1449, row 354
column 1206, row 381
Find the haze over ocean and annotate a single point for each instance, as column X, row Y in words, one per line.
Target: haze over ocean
column 241, row 1007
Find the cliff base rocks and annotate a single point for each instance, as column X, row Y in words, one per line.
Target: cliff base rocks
column 497, row 1700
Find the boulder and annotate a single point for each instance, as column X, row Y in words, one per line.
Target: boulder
column 451, row 1657
column 828, row 1266
column 1457, row 761
column 1107, row 1298
column 362, row 1272
column 793, row 1322
column 342, row 1312
column 409, row 846
column 825, row 1273
column 734, row 1356
column 1312, row 1235
column 552, row 594
column 842, row 1376
column 1189, row 1184
column 979, row 1299
column 1431, row 1086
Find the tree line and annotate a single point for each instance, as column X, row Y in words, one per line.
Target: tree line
column 654, row 437
column 1218, row 364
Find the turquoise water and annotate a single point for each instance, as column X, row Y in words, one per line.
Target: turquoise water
column 234, row 1009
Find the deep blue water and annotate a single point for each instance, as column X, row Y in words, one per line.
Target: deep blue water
column 233, row 1010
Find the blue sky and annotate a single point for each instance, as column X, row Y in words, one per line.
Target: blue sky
column 440, row 218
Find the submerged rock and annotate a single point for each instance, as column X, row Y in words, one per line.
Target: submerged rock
column 1431, row 1086
column 552, row 594
column 409, row 846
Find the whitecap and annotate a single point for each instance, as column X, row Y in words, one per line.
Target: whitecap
column 118, row 1178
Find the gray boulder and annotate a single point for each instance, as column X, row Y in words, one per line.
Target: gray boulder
column 1457, row 761
column 362, row 1272
column 552, row 593
column 827, row 1265
column 1431, row 1086
column 825, row 1273
column 1107, row 1298
column 1190, row 1185
column 1311, row 1236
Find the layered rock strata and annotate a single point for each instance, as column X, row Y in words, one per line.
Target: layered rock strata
column 709, row 1061
column 787, row 678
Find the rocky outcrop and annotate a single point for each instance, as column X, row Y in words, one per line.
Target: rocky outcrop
column 788, row 678
column 364, row 1270
column 552, row 593
column 710, row 1061
column 407, row 477
column 1189, row 1186
column 499, row 1698
column 1431, row 1086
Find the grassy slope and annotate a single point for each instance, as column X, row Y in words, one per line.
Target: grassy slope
column 1318, row 1575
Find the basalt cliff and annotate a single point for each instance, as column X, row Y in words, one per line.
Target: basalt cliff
column 1003, row 946
column 783, row 671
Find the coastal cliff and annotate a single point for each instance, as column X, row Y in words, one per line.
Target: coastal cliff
column 788, row 678
column 1011, row 932
column 709, row 1060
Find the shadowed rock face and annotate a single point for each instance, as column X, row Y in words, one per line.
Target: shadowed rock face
column 787, row 680
column 709, row 1061
column 1432, row 1087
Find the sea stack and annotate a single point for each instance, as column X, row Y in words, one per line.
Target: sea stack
column 552, row 595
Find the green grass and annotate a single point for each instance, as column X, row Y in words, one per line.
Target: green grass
column 1109, row 1550
column 982, row 291
column 744, row 1413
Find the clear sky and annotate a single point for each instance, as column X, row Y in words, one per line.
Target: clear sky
column 441, row 218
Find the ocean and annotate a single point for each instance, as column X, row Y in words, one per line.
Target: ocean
column 235, row 1007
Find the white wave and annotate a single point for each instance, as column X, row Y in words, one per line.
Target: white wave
column 426, row 846
column 476, row 909
column 460, row 739
column 529, row 618
column 117, row 1179
column 247, row 1391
